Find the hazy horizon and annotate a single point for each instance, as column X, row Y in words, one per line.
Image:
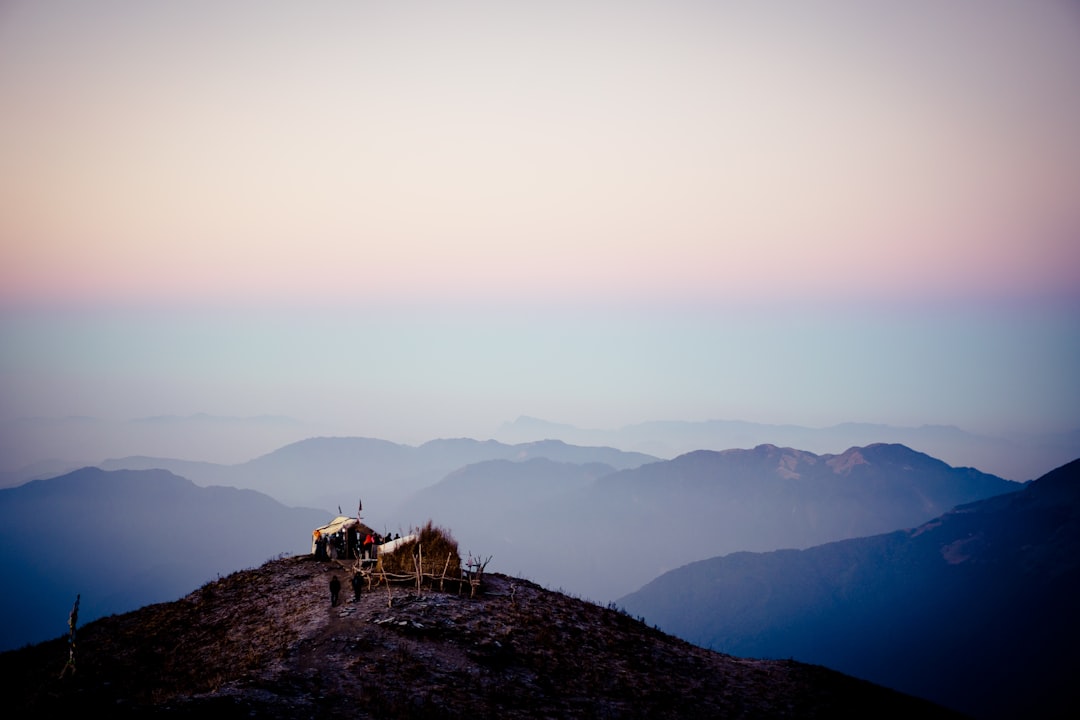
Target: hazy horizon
column 417, row 220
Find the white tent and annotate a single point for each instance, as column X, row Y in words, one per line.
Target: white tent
column 338, row 524
column 392, row 545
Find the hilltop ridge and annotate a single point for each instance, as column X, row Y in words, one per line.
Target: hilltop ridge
column 266, row 642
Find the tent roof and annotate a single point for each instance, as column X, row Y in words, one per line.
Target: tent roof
column 337, row 525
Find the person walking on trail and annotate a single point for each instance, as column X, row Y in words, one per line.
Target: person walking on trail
column 357, row 585
column 335, row 588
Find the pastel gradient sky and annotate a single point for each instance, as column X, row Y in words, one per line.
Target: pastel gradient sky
column 416, row 219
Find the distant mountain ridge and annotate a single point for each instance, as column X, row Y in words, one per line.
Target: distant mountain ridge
column 974, row 609
column 34, row 448
column 606, row 534
column 331, row 471
column 1015, row 457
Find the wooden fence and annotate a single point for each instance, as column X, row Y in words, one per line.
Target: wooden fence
column 471, row 574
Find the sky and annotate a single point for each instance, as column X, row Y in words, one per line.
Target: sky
column 418, row 219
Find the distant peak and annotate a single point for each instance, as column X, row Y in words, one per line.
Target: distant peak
column 843, row 464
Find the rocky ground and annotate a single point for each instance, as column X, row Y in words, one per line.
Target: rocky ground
column 267, row 643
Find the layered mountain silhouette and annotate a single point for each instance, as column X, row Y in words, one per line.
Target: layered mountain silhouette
column 1016, row 457
column 127, row 538
column 603, row 532
column 124, row 538
column 975, row 609
column 267, row 643
column 331, row 471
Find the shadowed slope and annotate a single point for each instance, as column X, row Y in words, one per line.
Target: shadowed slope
column 126, row 538
column 975, row 609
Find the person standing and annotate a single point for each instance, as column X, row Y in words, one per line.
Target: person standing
column 357, row 585
column 335, row 588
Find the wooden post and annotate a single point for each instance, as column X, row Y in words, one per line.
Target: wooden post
column 389, row 595
column 445, row 568
column 418, row 561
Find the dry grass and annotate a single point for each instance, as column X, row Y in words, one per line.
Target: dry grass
column 435, row 549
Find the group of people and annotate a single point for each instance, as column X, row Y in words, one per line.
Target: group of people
column 369, row 548
column 348, row 544
column 335, row 588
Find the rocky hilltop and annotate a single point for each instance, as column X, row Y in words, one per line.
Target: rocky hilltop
column 266, row 642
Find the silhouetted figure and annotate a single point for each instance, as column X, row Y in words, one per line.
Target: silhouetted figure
column 335, row 589
column 357, row 585
column 320, row 548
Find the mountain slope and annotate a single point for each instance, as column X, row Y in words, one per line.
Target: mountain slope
column 267, row 643
column 975, row 609
column 126, row 538
column 605, row 534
